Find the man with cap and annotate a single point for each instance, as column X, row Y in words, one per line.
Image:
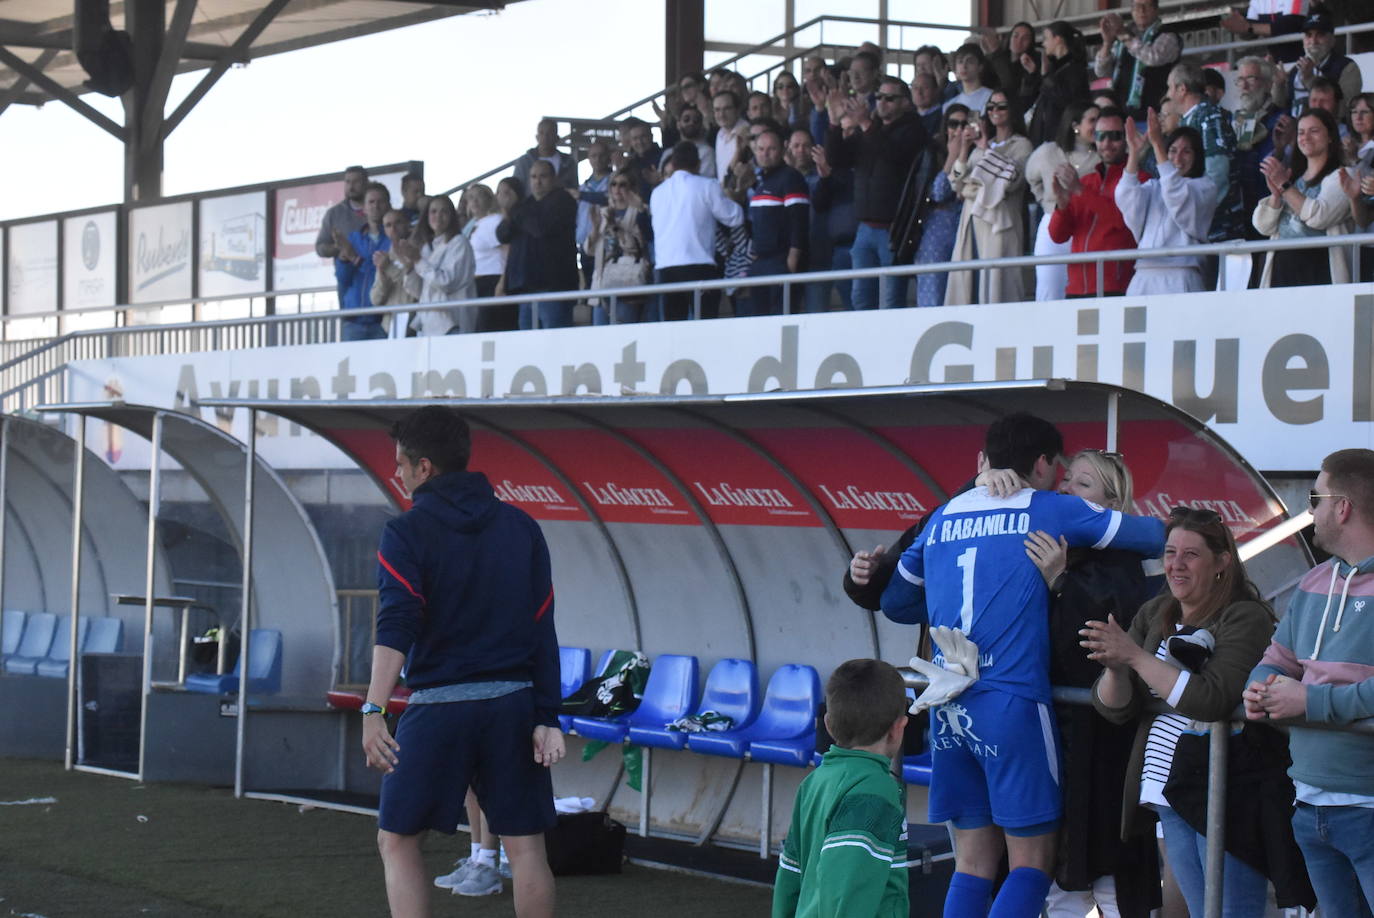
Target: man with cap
column 1320, row 58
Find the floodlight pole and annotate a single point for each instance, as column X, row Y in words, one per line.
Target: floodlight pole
column 4, row 502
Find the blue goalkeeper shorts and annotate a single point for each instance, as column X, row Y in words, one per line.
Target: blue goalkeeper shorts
column 994, row 761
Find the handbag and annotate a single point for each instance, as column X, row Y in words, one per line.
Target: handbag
column 625, row 271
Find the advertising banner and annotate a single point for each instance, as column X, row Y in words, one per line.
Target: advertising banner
column 1285, row 386
column 31, row 268
column 90, row 253
column 233, row 244
column 160, row 253
column 300, row 214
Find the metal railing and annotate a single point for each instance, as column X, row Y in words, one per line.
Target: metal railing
column 1219, row 734
column 37, row 377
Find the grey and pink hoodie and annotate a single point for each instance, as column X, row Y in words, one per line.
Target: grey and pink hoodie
column 1327, row 641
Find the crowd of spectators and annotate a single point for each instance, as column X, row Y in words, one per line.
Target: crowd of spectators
column 999, row 148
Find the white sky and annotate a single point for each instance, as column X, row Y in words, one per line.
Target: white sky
column 462, row 94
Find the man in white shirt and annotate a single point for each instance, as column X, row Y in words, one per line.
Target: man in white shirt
column 685, row 209
column 729, row 128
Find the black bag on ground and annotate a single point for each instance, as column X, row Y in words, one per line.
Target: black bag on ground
column 585, row 843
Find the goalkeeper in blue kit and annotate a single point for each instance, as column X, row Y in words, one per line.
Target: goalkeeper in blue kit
column 994, row 741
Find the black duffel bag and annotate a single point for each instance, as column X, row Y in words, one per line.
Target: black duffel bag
column 585, row 843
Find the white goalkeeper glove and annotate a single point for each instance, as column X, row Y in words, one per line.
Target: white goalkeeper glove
column 958, row 673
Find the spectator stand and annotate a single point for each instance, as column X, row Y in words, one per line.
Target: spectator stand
column 286, row 604
column 42, row 489
column 722, row 523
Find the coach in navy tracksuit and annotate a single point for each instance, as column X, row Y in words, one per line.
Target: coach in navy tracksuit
column 467, row 605
column 780, row 219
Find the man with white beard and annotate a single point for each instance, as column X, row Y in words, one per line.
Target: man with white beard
column 1262, row 128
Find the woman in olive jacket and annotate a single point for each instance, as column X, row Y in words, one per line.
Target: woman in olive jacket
column 1194, row 647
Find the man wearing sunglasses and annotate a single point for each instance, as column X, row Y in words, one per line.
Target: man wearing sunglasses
column 1319, row 668
column 880, row 150
column 1086, row 212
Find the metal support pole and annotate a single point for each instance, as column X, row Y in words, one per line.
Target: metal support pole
column 644, row 776
column 246, row 618
column 786, row 298
column 1216, row 818
column 1101, row 272
column 1113, row 420
column 766, row 821
column 4, row 496
column 154, row 505
column 78, row 498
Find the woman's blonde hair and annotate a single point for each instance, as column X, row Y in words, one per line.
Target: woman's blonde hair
column 480, row 197
column 1115, row 477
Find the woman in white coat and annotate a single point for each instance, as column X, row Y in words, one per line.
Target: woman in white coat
column 1172, row 211
column 1073, row 145
column 990, row 176
column 1306, row 199
column 445, row 270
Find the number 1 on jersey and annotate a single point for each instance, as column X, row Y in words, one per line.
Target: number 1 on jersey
column 966, row 561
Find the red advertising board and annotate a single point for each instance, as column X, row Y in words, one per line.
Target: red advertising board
column 519, row 478
column 300, row 213
column 516, row 476
column 858, row 482
column 735, row 485
column 620, row 484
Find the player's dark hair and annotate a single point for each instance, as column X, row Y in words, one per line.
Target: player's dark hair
column 1017, row 440
column 863, row 698
column 436, row 433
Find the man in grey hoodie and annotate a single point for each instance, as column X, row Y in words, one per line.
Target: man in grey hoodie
column 1320, row 668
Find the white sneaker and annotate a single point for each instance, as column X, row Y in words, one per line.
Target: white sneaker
column 503, row 868
column 481, row 880
column 451, row 880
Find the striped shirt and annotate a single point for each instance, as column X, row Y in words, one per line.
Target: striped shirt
column 1163, row 737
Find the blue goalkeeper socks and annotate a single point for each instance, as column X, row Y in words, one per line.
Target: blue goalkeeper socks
column 967, row 896
column 1022, row 894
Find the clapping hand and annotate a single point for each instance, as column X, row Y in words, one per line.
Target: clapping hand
column 822, row 161
column 1108, row 644
column 1285, row 131
column 379, row 259
column 863, row 564
column 1111, row 27
column 1028, row 62
column 1276, row 174
column 988, row 40
column 1135, row 144
column 1065, row 184
column 1154, row 130
column 1349, row 184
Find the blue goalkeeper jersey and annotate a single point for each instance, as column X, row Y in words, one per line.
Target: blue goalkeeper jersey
column 969, row 570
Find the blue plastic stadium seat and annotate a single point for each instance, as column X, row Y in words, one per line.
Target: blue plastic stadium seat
column 916, row 769
column 574, row 668
column 670, row 693
column 565, row 720
column 35, row 643
column 264, row 678
column 785, row 729
column 732, row 689
column 14, row 627
column 58, row 660
column 106, row 635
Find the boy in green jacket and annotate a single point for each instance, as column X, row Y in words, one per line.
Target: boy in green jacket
column 845, row 853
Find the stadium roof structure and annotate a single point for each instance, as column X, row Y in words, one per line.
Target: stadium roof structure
column 38, row 63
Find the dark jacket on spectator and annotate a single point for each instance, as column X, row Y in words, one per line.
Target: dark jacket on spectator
column 1094, row 224
column 779, row 212
column 832, row 200
column 881, row 158
column 1065, row 80
column 543, row 246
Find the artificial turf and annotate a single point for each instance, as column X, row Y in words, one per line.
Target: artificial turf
column 197, row 852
